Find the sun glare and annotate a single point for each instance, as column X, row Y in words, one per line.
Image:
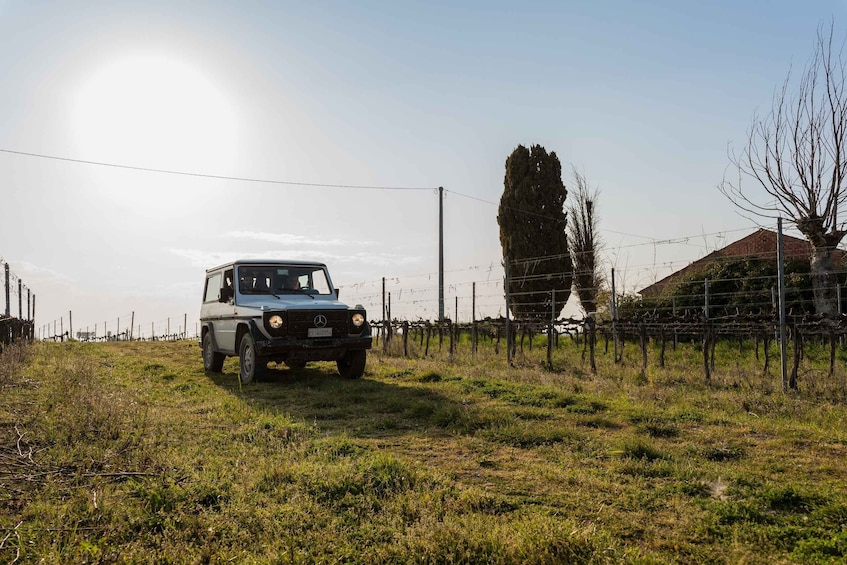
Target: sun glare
column 155, row 111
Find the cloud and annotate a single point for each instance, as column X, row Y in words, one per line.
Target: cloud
column 24, row 270
column 290, row 239
column 203, row 258
column 206, row 259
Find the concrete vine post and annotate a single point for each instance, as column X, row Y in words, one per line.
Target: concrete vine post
column 783, row 353
column 614, row 308
column 8, row 304
column 550, row 331
column 473, row 320
column 508, row 284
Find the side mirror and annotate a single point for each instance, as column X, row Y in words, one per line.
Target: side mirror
column 338, row 293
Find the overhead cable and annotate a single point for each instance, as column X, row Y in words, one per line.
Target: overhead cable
column 210, row 176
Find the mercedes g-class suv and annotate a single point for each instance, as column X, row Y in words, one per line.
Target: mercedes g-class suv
column 282, row 311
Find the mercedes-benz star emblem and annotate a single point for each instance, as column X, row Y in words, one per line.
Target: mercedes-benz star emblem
column 320, row 321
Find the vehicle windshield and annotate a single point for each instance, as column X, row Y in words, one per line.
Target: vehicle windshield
column 283, row 279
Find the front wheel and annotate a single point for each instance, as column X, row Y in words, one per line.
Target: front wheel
column 352, row 366
column 212, row 360
column 252, row 367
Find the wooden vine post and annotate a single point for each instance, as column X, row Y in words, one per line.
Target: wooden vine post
column 591, row 324
column 405, row 339
column 798, row 348
column 452, row 344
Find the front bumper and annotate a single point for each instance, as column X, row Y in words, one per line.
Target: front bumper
column 314, row 349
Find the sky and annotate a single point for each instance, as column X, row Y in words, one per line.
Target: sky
column 385, row 101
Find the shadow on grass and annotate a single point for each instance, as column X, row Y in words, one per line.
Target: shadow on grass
column 359, row 407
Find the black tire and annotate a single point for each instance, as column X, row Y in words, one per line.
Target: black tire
column 213, row 361
column 295, row 364
column 251, row 366
column 352, row 366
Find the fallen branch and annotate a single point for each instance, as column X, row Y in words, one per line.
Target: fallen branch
column 20, row 452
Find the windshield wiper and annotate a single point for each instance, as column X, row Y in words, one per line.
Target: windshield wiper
column 299, row 291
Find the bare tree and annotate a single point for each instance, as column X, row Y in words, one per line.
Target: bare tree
column 584, row 243
column 798, row 155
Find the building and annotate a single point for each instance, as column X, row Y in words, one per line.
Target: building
column 761, row 244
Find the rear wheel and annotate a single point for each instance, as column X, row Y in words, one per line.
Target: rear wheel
column 352, row 366
column 212, row 360
column 252, row 367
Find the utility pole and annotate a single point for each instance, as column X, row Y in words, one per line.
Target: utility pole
column 440, row 253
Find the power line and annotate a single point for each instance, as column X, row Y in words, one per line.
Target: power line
column 651, row 240
column 210, row 176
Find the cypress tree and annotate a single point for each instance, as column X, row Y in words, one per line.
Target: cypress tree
column 533, row 233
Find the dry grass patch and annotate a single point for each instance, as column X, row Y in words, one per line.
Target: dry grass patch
column 129, row 451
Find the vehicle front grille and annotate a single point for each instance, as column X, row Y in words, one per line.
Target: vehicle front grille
column 299, row 322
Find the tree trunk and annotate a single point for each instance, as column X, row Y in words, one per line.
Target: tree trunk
column 824, row 281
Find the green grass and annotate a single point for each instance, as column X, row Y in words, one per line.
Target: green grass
column 129, row 452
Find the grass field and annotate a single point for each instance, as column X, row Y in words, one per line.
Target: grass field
column 129, row 452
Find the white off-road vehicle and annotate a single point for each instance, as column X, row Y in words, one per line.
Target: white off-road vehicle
column 282, row 311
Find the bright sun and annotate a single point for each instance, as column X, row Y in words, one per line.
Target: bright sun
column 156, row 111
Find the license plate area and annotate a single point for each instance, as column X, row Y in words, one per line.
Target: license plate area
column 320, row 332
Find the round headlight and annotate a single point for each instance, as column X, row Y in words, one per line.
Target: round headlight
column 275, row 321
column 358, row 320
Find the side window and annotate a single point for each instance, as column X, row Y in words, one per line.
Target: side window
column 319, row 282
column 213, row 288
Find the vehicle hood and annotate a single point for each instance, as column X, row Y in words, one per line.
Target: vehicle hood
column 291, row 302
